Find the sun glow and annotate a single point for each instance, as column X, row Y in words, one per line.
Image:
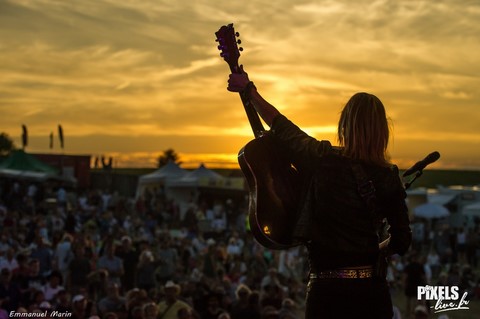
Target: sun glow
column 187, row 160
column 133, row 79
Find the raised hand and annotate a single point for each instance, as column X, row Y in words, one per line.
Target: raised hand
column 237, row 82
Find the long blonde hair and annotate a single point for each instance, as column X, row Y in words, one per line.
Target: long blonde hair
column 363, row 129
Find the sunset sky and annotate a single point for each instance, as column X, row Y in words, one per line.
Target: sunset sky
column 133, row 78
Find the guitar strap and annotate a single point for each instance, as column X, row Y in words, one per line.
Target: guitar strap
column 365, row 187
column 367, row 191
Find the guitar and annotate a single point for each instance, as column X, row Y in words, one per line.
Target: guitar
column 272, row 181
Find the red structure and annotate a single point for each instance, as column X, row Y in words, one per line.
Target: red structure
column 77, row 166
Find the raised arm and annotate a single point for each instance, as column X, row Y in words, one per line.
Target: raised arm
column 239, row 82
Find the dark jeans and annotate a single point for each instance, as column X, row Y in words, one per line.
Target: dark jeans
column 348, row 298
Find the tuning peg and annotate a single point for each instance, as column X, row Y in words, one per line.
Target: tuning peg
column 240, row 49
column 216, row 40
column 239, row 41
column 220, row 47
column 237, row 34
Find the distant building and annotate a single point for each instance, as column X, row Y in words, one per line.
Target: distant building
column 77, row 166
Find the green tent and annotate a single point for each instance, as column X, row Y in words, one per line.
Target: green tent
column 20, row 161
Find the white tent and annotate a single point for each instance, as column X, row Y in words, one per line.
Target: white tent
column 431, row 210
column 471, row 213
column 29, row 175
column 441, row 199
column 186, row 189
column 185, row 186
column 170, row 172
column 472, row 210
column 203, row 172
column 202, row 176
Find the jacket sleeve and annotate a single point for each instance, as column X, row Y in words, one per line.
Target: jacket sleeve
column 298, row 145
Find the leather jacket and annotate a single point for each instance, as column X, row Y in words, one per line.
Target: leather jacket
column 337, row 226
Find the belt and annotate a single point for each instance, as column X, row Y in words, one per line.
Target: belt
column 344, row 273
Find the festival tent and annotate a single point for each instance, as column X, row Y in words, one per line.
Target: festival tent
column 202, row 180
column 441, row 199
column 21, row 165
column 472, row 209
column 20, row 161
column 201, row 176
column 186, row 189
column 471, row 214
column 203, row 172
column 431, row 211
column 161, row 177
column 170, row 171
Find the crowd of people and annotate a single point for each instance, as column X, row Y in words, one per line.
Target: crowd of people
column 93, row 254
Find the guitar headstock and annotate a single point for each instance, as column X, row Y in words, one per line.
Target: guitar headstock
column 227, row 43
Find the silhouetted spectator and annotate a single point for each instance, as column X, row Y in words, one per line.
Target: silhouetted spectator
column 240, row 307
column 414, row 276
column 79, row 307
column 113, row 302
column 63, row 302
column 149, row 311
column 8, row 260
column 145, row 272
column 43, row 254
column 63, row 255
column 167, row 262
column 10, row 294
column 129, row 256
column 169, row 307
column 79, row 268
column 213, row 307
column 53, row 285
column 112, row 264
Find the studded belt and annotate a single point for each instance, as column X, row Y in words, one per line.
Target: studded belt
column 344, row 273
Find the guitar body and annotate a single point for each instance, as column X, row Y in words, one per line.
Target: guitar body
column 273, row 188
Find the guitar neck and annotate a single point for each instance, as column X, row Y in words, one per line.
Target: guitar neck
column 226, row 36
column 252, row 115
